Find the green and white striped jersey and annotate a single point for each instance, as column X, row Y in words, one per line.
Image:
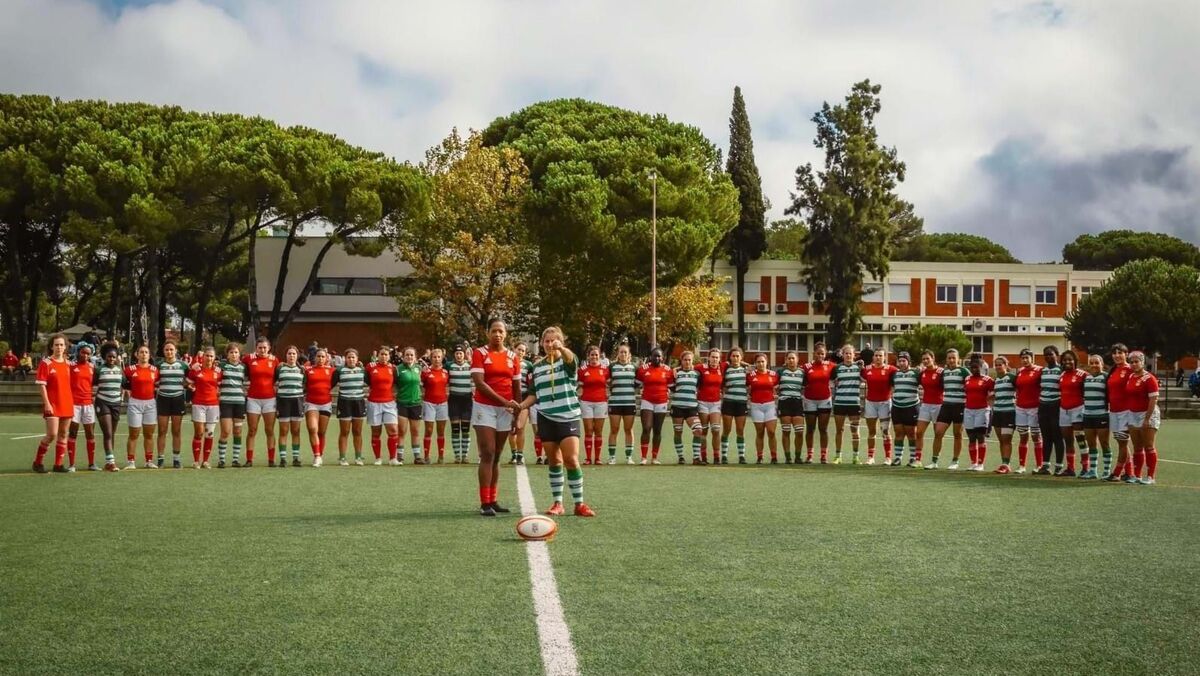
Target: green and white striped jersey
column 791, row 383
column 622, row 388
column 1051, row 394
column 352, row 382
column 1005, row 392
column 107, row 382
column 526, row 368
column 734, row 387
column 683, row 393
column 1095, row 395
column 905, row 386
column 233, row 382
column 554, row 386
column 460, row 378
column 847, row 380
column 289, row 381
column 170, row 378
column 954, row 383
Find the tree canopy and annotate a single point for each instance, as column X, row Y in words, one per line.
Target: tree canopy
column 936, row 338
column 747, row 241
column 1111, row 249
column 785, row 239
column 952, row 247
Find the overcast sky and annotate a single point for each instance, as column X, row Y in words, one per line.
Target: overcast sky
column 1026, row 122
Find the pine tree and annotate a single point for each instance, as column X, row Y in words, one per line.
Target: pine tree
column 747, row 242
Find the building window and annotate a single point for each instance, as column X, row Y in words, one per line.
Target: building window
column 873, row 293
column 793, row 342
column 751, row 291
column 796, row 292
column 973, row 293
column 900, row 293
column 947, row 293
column 791, row 326
column 1047, row 295
column 861, row 341
column 981, row 344
column 721, row 341
column 757, row 342
column 1018, row 295
column 348, row 286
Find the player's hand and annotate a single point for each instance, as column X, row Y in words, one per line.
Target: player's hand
column 47, row 412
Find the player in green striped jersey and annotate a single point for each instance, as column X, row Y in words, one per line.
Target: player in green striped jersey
column 791, row 406
column 170, row 402
column 847, row 404
column 1048, row 407
column 734, row 405
column 906, row 404
column 553, row 384
column 107, row 385
column 289, row 392
column 461, row 390
column 622, row 402
column 684, row 407
column 1004, row 412
column 954, row 399
column 233, row 404
column 351, row 381
column 1095, row 417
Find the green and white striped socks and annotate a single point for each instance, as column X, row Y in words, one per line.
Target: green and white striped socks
column 556, row 483
column 575, row 483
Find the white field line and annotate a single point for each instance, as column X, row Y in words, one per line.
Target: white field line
column 558, row 653
column 1180, row 462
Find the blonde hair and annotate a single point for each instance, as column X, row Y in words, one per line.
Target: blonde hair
column 554, row 330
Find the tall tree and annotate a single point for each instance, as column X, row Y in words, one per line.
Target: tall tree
column 747, row 241
column 1111, row 249
column 851, row 207
column 953, row 247
column 785, row 239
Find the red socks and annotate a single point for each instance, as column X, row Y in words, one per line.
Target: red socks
column 645, row 450
column 441, row 447
column 195, row 450
column 71, row 450
column 375, row 446
column 1139, row 460
column 207, row 448
column 1070, row 460
column 60, row 453
column 1023, row 452
column 426, row 443
column 971, row 450
column 981, row 453
column 393, row 443
column 1038, row 453
column 537, row 446
column 41, row 452
column 1151, row 462
column 91, row 451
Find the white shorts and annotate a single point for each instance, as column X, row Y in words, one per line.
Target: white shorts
column 435, row 412
column 1027, row 417
column 974, row 418
column 1116, row 423
column 84, row 414
column 533, row 414
column 141, row 412
column 381, row 413
column 260, row 406
column 815, row 405
column 881, row 410
column 928, row 412
column 594, row 409
column 1133, row 419
column 762, row 413
column 657, row 408
column 708, row 407
column 206, row 414
column 495, row 417
column 1070, row 416
column 309, row 406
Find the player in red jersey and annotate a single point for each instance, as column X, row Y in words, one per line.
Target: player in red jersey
column 1028, row 386
column 204, row 380
column 593, row 400
column 656, row 379
column 1117, row 408
column 762, row 383
column 54, row 382
column 84, row 410
column 932, row 392
column 979, row 389
column 435, row 403
column 382, row 412
column 1070, row 385
column 318, row 402
column 496, row 372
column 260, row 399
column 1142, row 419
column 878, row 409
column 141, row 378
column 818, row 401
column 708, row 398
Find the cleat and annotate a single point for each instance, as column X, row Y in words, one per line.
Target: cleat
column 498, row 509
column 871, row 461
column 1042, row 471
column 195, row 465
column 932, row 465
column 130, row 465
column 282, row 463
column 111, row 467
column 1090, row 474
column 896, row 462
column 695, row 461
column 539, row 462
column 342, row 462
column 220, row 464
column 977, row 468
column 629, row 460
column 236, row 463
column 394, row 462
column 1003, row 469
column 39, row 468
column 205, row 465
column 1132, row 479
column 645, row 462
column 418, row 461
column 378, row 461
column 440, row 461
column 1148, row 481
column 159, row 461
column 1069, row 473
column 71, row 469
column 953, row 465
column 358, row 462
column 317, row 461
column 655, row 462
column 612, row 459
column 774, row 461
column 837, row 459
column 682, row 461
column 93, row 468
column 587, row 462
column 1020, row 470
column 150, row 465
column 741, row 461
column 913, row 464
column 724, row 460
column 248, row 463
column 582, row 509
column 1113, row 478
column 854, row 460
column 296, row 462
column 487, row 510
column 175, row 464
column 556, row 510
column 758, row 461
column 521, row 461
column 60, row 469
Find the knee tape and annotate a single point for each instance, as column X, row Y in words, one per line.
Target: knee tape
column 716, row 428
column 697, row 428
column 1023, row 430
column 786, row 428
column 678, row 428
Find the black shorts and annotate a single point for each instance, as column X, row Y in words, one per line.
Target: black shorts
column 1004, row 420
column 951, row 414
column 351, row 409
column 622, row 409
column 734, row 409
column 234, row 411
column 906, row 415
column 460, row 406
column 1095, row 422
column 554, row 431
column 791, row 407
column 412, row 412
column 168, row 406
column 289, row 408
column 104, row 408
column 847, row 409
column 685, row 413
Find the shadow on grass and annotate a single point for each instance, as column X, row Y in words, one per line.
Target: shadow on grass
column 400, row 515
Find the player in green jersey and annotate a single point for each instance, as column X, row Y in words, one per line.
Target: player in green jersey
column 170, row 402
column 622, row 403
column 1004, row 413
column 516, row 440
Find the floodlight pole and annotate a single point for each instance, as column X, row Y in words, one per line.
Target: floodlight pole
column 653, row 259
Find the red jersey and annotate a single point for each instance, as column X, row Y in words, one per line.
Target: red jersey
column 140, row 381
column 655, row 381
column 816, row 380
column 1070, row 386
column 1116, row 388
column 762, row 386
column 499, row 370
column 318, row 384
column 594, row 383
column 261, row 373
column 1028, row 385
column 381, row 381
column 81, row 383
column 978, row 388
column 709, row 387
column 206, row 384
column 932, row 387
column 436, row 383
column 879, row 382
column 1138, row 390
column 11, row 361
column 56, row 376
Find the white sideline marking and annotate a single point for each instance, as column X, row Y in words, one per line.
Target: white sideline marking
column 1180, row 462
column 31, row 436
column 558, row 653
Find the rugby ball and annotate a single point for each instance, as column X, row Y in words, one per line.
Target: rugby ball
column 537, row 527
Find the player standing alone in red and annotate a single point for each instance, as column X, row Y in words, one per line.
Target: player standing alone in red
column 496, row 372
column 54, row 381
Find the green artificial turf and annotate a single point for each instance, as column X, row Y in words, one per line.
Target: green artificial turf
column 686, row 570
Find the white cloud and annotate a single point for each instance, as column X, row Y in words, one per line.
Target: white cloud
column 1079, row 81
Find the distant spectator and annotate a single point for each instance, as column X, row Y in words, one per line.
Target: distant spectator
column 1178, row 375
column 10, row 364
column 25, row 366
column 1194, row 383
column 867, row 355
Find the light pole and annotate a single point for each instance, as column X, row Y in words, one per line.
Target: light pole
column 653, row 259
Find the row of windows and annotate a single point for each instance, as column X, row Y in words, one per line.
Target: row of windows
column 972, row 294
column 348, row 286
